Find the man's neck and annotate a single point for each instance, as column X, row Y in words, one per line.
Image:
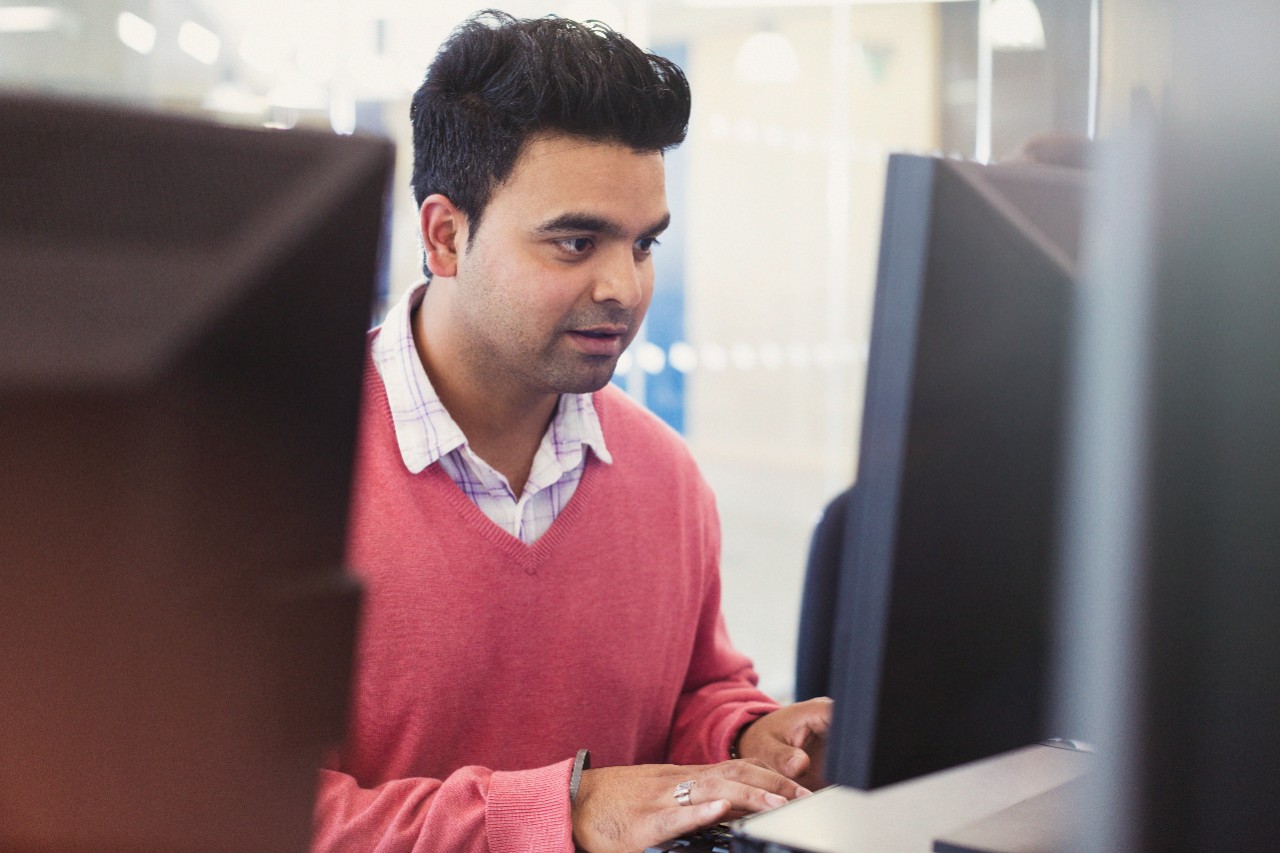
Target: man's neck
column 505, row 430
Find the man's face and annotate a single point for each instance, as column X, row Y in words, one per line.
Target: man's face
column 559, row 275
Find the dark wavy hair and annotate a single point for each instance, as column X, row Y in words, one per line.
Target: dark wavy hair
column 498, row 80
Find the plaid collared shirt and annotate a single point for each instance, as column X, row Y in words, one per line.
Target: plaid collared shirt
column 426, row 433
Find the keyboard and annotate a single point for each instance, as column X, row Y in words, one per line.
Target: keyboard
column 710, row 839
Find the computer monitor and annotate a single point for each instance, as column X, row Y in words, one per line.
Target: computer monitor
column 946, row 577
column 183, row 309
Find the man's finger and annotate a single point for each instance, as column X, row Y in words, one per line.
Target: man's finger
column 786, row 760
column 813, row 724
column 757, row 775
column 741, row 797
column 677, row 820
column 794, row 763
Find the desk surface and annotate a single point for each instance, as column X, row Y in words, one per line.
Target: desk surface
column 909, row 816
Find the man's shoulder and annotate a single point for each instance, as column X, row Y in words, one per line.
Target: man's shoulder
column 641, row 442
column 623, row 419
column 652, row 458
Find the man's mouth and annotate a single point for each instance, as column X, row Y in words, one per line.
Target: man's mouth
column 602, row 332
column 600, row 340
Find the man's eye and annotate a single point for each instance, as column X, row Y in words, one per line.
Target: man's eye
column 575, row 245
column 645, row 245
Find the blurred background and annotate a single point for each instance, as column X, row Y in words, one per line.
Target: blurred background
column 756, row 343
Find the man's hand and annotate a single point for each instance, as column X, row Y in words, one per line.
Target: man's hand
column 791, row 740
column 625, row 809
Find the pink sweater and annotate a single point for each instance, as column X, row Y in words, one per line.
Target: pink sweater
column 483, row 664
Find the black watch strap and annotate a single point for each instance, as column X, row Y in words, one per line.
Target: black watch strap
column 580, row 763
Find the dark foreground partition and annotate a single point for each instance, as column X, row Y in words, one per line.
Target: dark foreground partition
column 182, row 316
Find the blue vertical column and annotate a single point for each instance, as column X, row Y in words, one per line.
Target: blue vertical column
column 664, row 392
column 371, row 119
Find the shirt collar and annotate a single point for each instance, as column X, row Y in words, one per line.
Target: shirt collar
column 424, row 429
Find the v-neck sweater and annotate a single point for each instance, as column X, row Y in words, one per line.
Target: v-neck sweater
column 483, row 663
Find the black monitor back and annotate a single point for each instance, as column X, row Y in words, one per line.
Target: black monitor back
column 182, row 318
column 946, row 585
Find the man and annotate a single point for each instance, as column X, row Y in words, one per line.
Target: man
column 540, row 554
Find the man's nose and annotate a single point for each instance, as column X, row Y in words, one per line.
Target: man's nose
column 620, row 278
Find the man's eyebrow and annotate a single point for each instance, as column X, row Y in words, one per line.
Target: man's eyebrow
column 570, row 222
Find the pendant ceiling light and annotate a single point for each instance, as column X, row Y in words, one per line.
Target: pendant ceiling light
column 1015, row 25
column 767, row 57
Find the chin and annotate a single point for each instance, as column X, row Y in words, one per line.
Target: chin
column 575, row 373
column 586, row 382
column 586, row 387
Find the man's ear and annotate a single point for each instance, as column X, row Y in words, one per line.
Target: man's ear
column 443, row 227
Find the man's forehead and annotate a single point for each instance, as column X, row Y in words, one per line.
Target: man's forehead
column 559, row 178
column 576, row 158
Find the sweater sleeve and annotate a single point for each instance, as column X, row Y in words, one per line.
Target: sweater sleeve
column 474, row 810
column 719, row 698
column 719, row 695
